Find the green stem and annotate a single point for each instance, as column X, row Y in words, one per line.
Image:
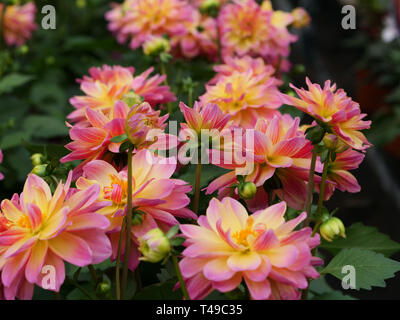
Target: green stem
column 138, row 280
column 93, row 273
column 323, row 184
column 180, row 278
column 128, row 228
column 80, row 288
column 197, row 187
column 117, row 263
column 190, row 97
column 310, row 190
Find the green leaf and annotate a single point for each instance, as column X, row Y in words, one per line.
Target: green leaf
column 45, row 127
column 120, row 138
column 13, row 80
column 177, row 241
column 160, row 291
column 173, row 231
column 371, row 268
column 363, row 237
column 321, row 290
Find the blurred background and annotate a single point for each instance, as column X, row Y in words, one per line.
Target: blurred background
column 365, row 61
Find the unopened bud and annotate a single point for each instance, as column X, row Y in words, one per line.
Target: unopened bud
column 104, row 287
column 301, row 18
column 330, row 141
column 247, row 190
column 155, row 46
column 131, row 98
column 40, row 170
column 154, row 246
column 37, row 159
column 210, row 7
column 332, row 228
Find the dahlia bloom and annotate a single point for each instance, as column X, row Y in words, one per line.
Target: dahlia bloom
column 301, row 18
column 334, row 109
column 338, row 175
column 93, row 141
column 245, row 96
column 200, row 38
column 108, row 84
column 245, row 28
column 40, row 229
column 281, row 151
column 243, row 64
column 158, row 197
column 19, row 23
column 1, row 160
column 262, row 249
column 136, row 20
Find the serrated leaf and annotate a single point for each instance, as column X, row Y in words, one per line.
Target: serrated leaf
column 371, row 268
column 363, row 237
column 13, row 80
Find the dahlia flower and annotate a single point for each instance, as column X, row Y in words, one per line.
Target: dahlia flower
column 40, row 229
column 281, row 152
column 334, row 109
column 94, row 140
column 108, row 84
column 1, row 160
column 136, row 20
column 200, row 38
column 155, row 195
column 245, row 28
column 301, row 18
column 18, row 23
column 338, row 175
column 243, row 64
column 245, row 96
column 262, row 249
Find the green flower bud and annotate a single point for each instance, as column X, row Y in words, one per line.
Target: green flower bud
column 154, row 246
column 155, row 46
column 247, row 190
column 37, row 159
column 210, row 7
column 330, row 141
column 40, row 170
column 81, row 3
column 332, row 228
column 131, row 98
column 104, row 287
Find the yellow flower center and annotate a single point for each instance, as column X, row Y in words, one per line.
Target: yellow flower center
column 118, row 190
column 241, row 237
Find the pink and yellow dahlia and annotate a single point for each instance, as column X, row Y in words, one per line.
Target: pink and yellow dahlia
column 281, row 154
column 18, row 23
column 200, row 38
column 243, row 64
column 157, row 197
column 108, row 84
column 229, row 246
column 136, row 20
column 40, row 229
column 338, row 175
column 334, row 109
column 93, row 140
column 245, row 29
column 245, row 96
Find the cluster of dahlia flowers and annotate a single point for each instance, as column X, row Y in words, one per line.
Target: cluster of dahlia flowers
column 17, row 23
column 209, row 28
column 125, row 199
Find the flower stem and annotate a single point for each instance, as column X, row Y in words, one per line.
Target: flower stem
column 180, row 278
column 323, row 184
column 197, row 187
column 118, row 261
column 93, row 273
column 310, row 190
column 128, row 227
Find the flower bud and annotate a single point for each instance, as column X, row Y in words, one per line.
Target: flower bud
column 266, row 5
column 154, row 246
column 247, row 190
column 155, row 46
column 301, row 18
column 330, row 141
column 210, row 7
column 40, row 170
column 104, row 287
column 131, row 98
column 332, row 228
column 37, row 159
